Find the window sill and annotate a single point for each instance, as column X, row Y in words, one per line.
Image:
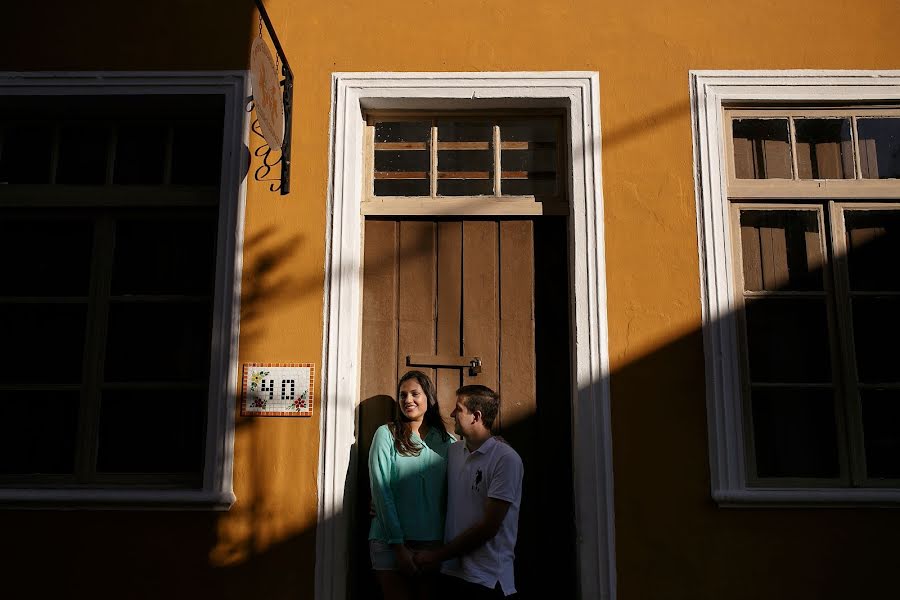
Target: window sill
column 112, row 499
column 808, row 497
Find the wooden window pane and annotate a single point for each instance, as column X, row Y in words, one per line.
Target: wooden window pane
column 879, row 148
column 83, row 154
column 465, row 161
column 781, row 250
column 58, row 252
column 788, row 340
column 37, row 433
column 762, row 149
column 876, row 329
column 873, row 249
column 881, row 426
column 25, row 153
column 165, row 255
column 151, row 431
column 197, row 153
column 824, row 149
column 140, row 154
column 41, row 343
column 158, row 342
column 529, row 157
column 402, row 158
column 795, row 433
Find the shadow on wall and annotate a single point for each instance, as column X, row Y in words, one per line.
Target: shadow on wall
column 672, row 542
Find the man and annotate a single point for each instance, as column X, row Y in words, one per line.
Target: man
column 484, row 491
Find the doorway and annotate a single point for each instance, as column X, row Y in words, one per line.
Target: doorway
column 493, row 290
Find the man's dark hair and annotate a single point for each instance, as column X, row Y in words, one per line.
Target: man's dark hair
column 483, row 399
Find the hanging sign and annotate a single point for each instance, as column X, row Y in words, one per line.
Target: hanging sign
column 267, row 94
column 278, row 390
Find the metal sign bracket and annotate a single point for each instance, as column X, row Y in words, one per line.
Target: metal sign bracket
column 288, row 96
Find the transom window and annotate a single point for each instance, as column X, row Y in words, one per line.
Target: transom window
column 466, row 161
column 815, row 225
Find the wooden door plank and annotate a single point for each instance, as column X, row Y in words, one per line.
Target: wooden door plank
column 378, row 363
column 449, row 310
column 480, row 304
column 416, row 296
column 517, row 356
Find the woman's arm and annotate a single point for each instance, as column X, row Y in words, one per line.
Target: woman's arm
column 380, row 463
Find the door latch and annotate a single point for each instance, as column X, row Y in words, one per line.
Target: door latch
column 473, row 363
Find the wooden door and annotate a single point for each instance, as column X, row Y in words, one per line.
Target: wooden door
column 495, row 289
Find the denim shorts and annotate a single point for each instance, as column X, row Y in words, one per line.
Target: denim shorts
column 382, row 554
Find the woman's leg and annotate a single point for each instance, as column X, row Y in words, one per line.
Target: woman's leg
column 394, row 585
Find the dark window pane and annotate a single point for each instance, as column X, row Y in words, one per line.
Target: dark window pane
column 25, row 152
column 152, row 431
column 762, row 149
column 876, row 329
column 140, row 154
column 403, row 131
column 466, row 160
column 83, row 153
column 540, row 159
column 781, row 250
column 879, row 148
column 41, row 343
column 37, row 432
column 465, row 187
column 45, row 257
column 402, row 187
column 788, row 341
column 824, row 148
column 197, row 153
column 536, row 184
column 795, row 433
column 464, row 131
column 403, row 160
column 873, row 249
column 881, row 427
column 158, row 342
column 165, row 255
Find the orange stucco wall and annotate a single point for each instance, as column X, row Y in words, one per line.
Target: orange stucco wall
column 671, row 542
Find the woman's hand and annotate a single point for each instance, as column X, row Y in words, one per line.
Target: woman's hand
column 405, row 559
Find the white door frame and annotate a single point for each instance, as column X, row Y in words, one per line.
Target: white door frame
column 579, row 94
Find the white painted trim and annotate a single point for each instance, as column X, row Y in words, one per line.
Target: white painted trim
column 710, row 90
column 578, row 93
column 217, row 492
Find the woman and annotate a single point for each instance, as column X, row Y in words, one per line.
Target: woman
column 408, row 476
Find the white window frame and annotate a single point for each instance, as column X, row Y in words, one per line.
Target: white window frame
column 216, row 492
column 710, row 91
column 353, row 94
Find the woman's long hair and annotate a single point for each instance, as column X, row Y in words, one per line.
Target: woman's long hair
column 400, row 426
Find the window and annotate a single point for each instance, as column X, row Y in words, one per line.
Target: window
column 465, row 161
column 112, row 263
column 804, row 200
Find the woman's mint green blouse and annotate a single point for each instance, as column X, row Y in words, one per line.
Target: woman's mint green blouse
column 409, row 492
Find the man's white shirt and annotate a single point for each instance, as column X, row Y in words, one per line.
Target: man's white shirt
column 493, row 471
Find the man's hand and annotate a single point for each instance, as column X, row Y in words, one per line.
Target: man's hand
column 405, row 559
column 427, row 560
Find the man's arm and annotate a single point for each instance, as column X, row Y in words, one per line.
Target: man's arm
column 474, row 537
